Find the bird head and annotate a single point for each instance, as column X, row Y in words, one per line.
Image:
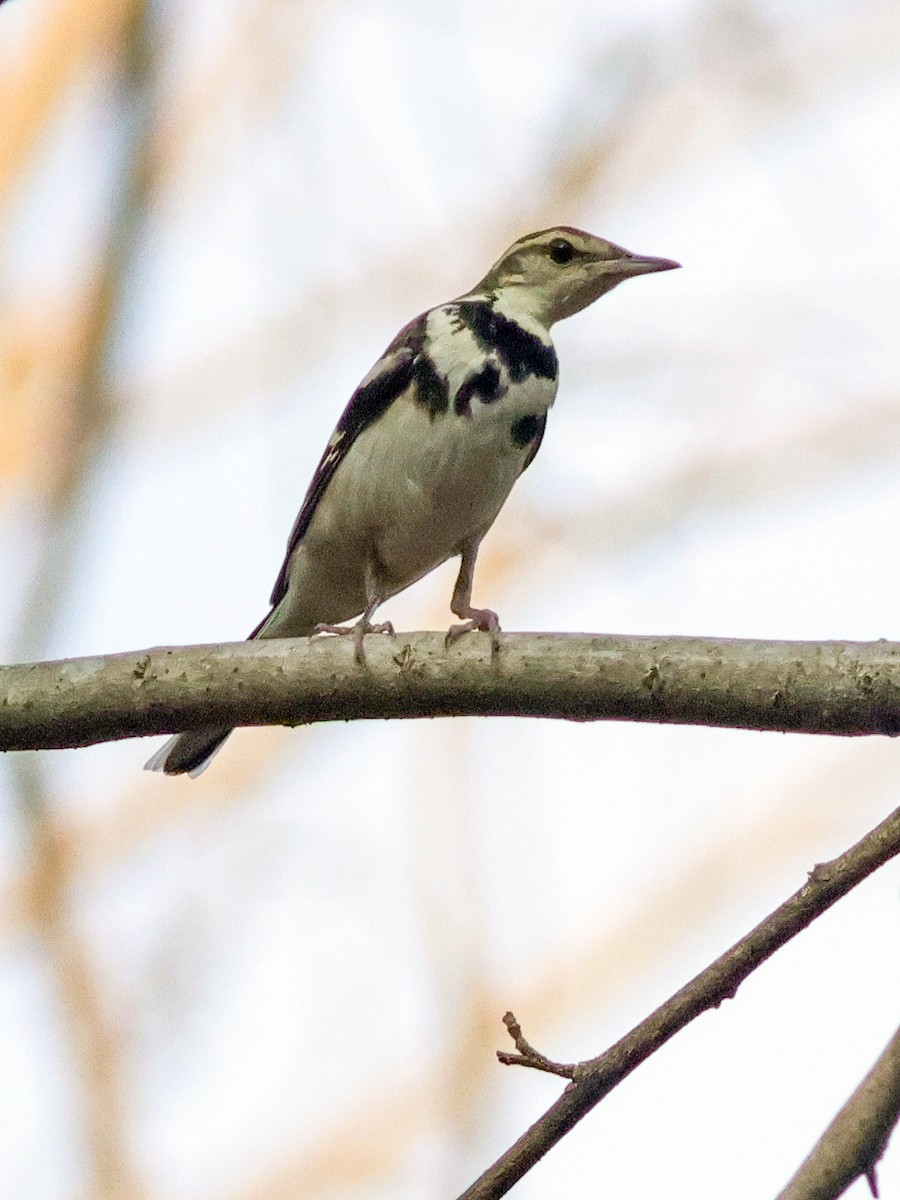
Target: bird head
column 557, row 272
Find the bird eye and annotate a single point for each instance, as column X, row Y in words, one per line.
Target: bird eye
column 561, row 251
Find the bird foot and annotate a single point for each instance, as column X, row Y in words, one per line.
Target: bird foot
column 481, row 619
column 358, row 631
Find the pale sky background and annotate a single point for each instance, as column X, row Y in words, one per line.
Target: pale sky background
column 286, row 979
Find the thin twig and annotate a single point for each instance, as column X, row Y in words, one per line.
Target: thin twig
column 856, row 1139
column 595, row 1078
column 527, row 1056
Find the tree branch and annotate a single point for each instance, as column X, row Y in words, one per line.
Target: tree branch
column 857, row 1137
column 593, row 1079
column 848, row 688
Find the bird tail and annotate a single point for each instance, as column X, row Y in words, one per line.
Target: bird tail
column 191, row 752
column 188, row 753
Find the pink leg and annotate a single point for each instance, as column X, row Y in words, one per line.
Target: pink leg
column 359, row 631
column 483, row 619
column 363, row 625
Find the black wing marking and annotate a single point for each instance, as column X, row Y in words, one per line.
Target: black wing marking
column 529, row 430
column 388, row 379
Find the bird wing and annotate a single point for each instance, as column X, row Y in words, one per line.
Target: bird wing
column 536, row 444
column 388, row 379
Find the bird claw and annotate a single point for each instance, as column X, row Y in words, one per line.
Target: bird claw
column 358, row 631
column 482, row 620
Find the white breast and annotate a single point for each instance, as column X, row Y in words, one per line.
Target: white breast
column 415, row 486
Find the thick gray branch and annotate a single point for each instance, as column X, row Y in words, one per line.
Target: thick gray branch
column 848, row 688
column 856, row 1139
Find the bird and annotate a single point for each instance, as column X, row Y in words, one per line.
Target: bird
column 427, row 451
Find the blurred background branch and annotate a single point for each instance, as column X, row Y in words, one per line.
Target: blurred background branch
column 119, row 36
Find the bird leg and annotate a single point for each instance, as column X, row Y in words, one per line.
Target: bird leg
column 364, row 624
column 359, row 631
column 483, row 619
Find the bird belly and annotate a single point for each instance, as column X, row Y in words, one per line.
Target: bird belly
column 412, row 491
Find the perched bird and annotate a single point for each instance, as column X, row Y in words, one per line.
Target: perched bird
column 428, row 449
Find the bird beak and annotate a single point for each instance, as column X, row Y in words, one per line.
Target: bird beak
column 600, row 275
column 638, row 264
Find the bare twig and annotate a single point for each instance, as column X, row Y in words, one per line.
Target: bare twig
column 857, row 1137
column 847, row 688
column 527, row 1056
column 595, row 1078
